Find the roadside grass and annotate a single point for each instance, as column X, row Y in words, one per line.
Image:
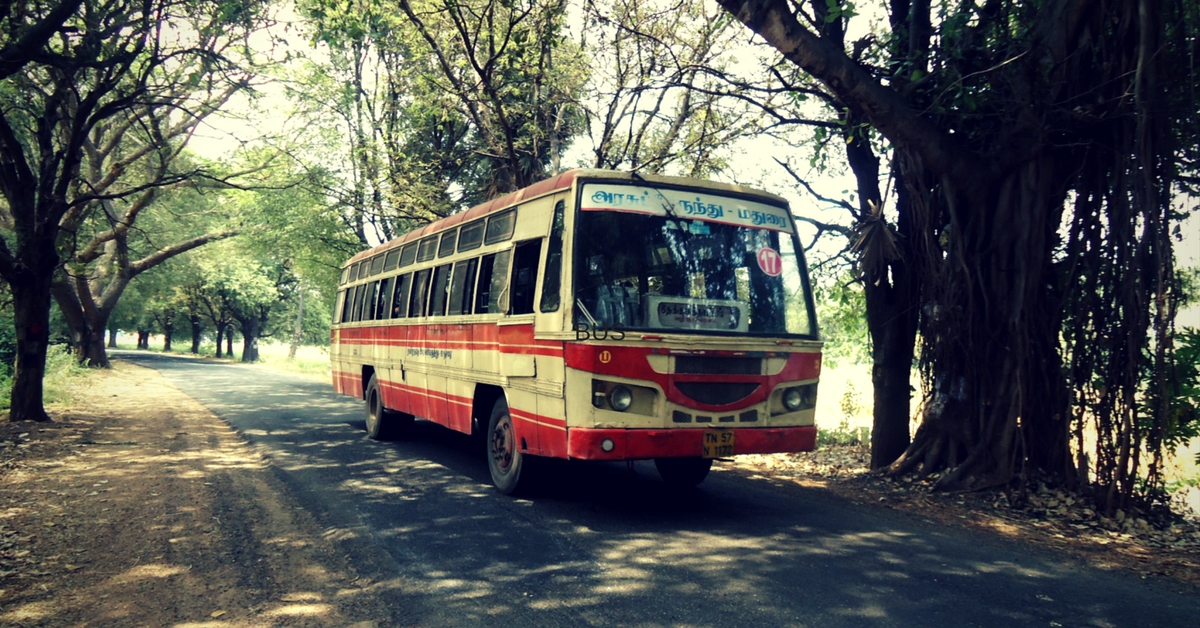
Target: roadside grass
column 310, row 360
column 63, row 374
column 844, row 435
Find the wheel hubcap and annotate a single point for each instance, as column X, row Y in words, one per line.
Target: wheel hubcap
column 502, row 444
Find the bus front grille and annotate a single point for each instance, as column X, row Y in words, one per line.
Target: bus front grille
column 716, row 393
column 706, row 365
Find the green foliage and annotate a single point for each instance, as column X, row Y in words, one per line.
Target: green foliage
column 843, row 435
column 1183, row 423
column 8, row 342
column 841, row 309
column 421, row 107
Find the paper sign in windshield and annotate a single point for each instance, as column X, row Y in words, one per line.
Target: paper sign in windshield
column 696, row 314
column 689, row 205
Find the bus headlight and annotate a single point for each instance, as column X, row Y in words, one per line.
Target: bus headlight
column 620, row 398
column 800, row 398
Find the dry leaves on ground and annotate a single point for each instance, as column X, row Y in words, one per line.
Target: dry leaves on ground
column 1046, row 517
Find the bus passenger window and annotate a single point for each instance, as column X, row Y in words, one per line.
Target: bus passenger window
column 493, row 281
column 392, row 261
column 369, row 301
column 471, row 236
column 356, row 313
column 428, row 249
column 339, row 310
column 348, row 307
column 400, row 299
column 385, row 295
column 462, row 287
column 552, row 282
column 408, row 254
column 500, row 226
column 524, row 278
column 420, row 294
column 447, row 246
column 441, row 285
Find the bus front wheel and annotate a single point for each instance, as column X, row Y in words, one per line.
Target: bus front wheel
column 505, row 460
column 383, row 424
column 683, row 471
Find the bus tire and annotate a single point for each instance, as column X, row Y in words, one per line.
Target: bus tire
column 505, row 460
column 383, row 424
column 683, row 471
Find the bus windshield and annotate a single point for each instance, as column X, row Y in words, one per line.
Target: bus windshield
column 672, row 261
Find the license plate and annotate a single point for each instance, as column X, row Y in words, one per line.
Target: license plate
column 718, row 443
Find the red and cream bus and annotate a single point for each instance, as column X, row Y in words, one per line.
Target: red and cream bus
column 596, row 315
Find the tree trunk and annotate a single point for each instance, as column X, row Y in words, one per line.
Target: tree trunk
column 31, row 309
column 891, row 300
column 168, row 331
column 250, row 330
column 996, row 404
column 112, row 338
column 196, row 329
column 891, row 320
column 298, row 330
column 220, row 337
column 72, row 311
column 95, row 353
column 143, row 341
column 229, row 343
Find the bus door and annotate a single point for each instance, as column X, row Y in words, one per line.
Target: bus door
column 549, row 326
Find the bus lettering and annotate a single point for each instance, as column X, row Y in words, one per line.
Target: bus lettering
column 584, row 331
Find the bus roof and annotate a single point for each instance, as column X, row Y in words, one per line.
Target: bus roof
column 547, row 186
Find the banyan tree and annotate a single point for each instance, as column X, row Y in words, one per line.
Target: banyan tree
column 1039, row 151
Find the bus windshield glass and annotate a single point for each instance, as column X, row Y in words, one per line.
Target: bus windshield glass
column 686, row 261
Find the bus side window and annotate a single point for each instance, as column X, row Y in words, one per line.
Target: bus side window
column 385, row 295
column 524, row 279
column 359, row 292
column 462, row 286
column 348, row 306
column 552, row 282
column 400, row 299
column 441, row 286
column 339, row 309
column 493, row 281
column 368, row 312
column 420, row 293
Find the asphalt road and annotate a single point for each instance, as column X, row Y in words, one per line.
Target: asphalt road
column 606, row 545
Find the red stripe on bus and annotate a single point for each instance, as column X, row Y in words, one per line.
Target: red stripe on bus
column 642, row 444
column 532, row 416
column 512, row 339
column 454, row 411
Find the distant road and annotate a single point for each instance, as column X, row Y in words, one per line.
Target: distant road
column 606, row 545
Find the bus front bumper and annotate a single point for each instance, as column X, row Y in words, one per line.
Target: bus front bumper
column 642, row 444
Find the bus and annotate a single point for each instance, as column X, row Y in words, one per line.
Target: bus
column 595, row 315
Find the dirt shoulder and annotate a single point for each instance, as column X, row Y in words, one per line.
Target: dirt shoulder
column 139, row 507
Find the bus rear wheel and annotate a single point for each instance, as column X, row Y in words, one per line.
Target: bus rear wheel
column 383, row 424
column 683, row 471
column 505, row 460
